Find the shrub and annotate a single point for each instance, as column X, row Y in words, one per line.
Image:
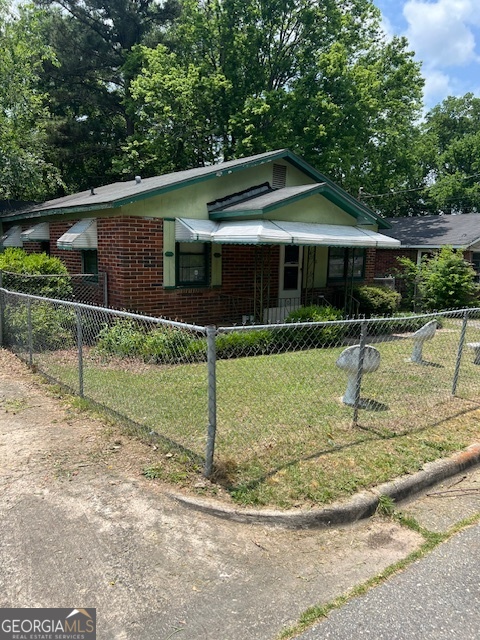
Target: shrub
column 444, row 281
column 52, row 327
column 21, row 266
column 245, row 343
column 169, row 344
column 314, row 337
column 377, row 301
column 125, row 339
column 447, row 281
column 122, row 339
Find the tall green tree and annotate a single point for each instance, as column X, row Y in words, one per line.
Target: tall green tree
column 25, row 172
column 92, row 40
column 452, row 154
column 317, row 77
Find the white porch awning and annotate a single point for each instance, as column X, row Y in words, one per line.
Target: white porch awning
column 191, row 230
column 82, row 235
column 38, row 233
column 279, row 232
column 250, row 232
column 13, row 237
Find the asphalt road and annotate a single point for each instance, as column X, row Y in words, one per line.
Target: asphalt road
column 436, row 598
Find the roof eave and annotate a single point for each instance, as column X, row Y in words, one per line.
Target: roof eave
column 46, row 213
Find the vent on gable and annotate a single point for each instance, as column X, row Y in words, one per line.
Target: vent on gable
column 279, row 178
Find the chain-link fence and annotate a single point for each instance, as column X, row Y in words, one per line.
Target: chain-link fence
column 86, row 288
column 147, row 371
column 266, row 396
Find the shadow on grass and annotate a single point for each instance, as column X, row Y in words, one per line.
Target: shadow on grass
column 377, row 435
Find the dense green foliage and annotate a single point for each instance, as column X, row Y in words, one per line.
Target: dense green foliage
column 25, row 172
column 52, row 328
column 125, row 339
column 94, row 91
column 444, row 281
column 377, row 301
column 452, row 154
column 20, row 269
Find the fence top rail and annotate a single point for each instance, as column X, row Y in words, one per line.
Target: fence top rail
column 370, row 321
column 112, row 312
column 47, row 275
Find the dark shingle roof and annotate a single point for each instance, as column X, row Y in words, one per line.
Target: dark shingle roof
column 119, row 194
column 460, row 231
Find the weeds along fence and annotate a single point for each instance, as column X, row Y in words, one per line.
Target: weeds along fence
column 253, row 400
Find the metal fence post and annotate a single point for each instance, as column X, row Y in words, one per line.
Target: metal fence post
column 105, row 289
column 30, row 332
column 1, row 309
column 361, row 358
column 80, row 351
column 212, row 400
column 461, row 343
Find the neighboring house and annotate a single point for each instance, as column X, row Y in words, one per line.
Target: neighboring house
column 425, row 235
column 256, row 237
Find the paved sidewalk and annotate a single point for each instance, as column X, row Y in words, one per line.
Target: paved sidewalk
column 81, row 527
column 434, row 599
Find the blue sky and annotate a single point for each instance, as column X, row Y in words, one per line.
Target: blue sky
column 445, row 35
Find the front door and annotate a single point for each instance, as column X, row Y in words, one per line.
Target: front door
column 290, row 273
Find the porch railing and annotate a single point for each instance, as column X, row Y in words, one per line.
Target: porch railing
column 244, row 310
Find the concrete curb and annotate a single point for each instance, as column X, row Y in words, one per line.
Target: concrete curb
column 361, row 505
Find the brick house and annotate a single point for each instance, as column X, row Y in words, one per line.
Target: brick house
column 245, row 239
column 425, row 235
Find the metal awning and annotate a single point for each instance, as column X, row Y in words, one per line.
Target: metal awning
column 38, row 233
column 279, row 232
column 82, row 235
column 190, row 230
column 13, row 237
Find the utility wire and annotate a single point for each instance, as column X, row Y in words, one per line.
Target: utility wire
column 364, row 195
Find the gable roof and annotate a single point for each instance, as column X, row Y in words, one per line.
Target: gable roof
column 118, row 194
column 457, row 231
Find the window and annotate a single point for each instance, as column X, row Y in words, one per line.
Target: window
column 346, row 263
column 90, row 264
column 476, row 265
column 192, row 264
column 45, row 246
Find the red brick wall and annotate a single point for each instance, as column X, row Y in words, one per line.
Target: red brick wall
column 386, row 260
column 130, row 252
column 71, row 259
column 370, row 265
column 32, row 247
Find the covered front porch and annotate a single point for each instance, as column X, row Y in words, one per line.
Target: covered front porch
column 272, row 267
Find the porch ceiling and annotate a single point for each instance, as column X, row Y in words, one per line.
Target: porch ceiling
column 279, row 232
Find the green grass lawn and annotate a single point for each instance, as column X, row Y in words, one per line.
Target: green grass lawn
column 284, row 438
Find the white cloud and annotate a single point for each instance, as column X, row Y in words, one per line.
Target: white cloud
column 387, row 27
column 437, row 85
column 441, row 32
